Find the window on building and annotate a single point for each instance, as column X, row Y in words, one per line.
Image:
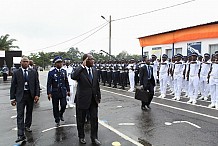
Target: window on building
column 213, row 48
column 178, row 50
column 146, row 54
column 169, row 53
column 157, row 51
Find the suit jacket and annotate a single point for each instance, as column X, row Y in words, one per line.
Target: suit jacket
column 17, row 84
column 144, row 76
column 86, row 89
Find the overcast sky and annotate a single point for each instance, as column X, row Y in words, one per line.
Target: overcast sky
column 37, row 24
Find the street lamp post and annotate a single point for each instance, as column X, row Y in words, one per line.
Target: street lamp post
column 109, row 34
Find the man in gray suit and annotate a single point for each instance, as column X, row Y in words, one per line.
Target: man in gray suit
column 23, row 93
column 87, row 98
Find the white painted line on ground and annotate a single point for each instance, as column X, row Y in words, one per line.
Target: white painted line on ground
column 69, row 125
column 168, row 123
column 176, row 122
column 126, row 124
column 181, row 101
column 168, row 106
column 116, row 143
column 14, row 129
column 13, row 117
column 119, row 133
column 42, row 86
column 119, row 106
column 188, row 103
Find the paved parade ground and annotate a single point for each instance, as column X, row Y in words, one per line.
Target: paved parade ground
column 168, row 123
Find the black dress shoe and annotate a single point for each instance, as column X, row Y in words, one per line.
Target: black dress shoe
column 62, row 118
column 57, row 124
column 143, row 108
column 148, row 107
column 28, row 129
column 20, row 138
column 82, row 140
column 96, row 142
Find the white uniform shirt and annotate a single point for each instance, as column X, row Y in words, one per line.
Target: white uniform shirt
column 205, row 68
column 164, row 68
column 155, row 66
column 194, row 69
column 178, row 70
column 214, row 72
column 69, row 70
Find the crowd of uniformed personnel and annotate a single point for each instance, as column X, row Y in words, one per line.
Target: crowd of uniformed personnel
column 193, row 75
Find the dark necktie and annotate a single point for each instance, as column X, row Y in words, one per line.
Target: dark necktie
column 26, row 80
column 149, row 72
column 90, row 75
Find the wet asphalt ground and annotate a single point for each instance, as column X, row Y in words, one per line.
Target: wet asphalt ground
column 168, row 123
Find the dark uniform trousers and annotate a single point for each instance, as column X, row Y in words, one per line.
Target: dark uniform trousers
column 99, row 75
column 122, row 80
column 56, row 97
column 5, row 76
column 81, row 116
column 28, row 102
column 104, row 77
column 136, row 77
column 150, row 88
column 109, row 77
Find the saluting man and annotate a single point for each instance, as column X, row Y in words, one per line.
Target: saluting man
column 57, row 89
column 87, row 99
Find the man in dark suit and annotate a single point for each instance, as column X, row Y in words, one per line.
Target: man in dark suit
column 58, row 89
column 23, row 93
column 87, row 98
column 147, row 82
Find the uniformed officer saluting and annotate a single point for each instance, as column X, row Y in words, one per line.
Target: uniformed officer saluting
column 58, row 89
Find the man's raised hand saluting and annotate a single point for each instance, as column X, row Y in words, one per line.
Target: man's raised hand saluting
column 84, row 61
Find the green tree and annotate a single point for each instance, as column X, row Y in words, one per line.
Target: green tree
column 122, row 55
column 74, row 54
column 6, row 44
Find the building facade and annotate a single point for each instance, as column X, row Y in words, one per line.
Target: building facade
column 200, row 39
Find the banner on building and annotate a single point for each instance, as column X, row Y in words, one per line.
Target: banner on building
column 2, row 53
column 16, row 60
column 157, row 51
column 194, row 47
